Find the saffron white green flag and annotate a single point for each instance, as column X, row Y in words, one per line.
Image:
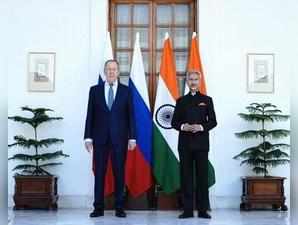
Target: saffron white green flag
column 165, row 139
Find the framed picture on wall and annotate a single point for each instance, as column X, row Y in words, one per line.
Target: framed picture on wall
column 41, row 71
column 260, row 72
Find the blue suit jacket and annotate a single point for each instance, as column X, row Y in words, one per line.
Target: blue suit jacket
column 116, row 124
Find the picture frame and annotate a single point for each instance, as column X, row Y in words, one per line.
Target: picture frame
column 260, row 73
column 41, row 71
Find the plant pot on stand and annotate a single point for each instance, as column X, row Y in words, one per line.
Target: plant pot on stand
column 265, row 191
column 35, row 186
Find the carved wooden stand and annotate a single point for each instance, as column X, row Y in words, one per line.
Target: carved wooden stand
column 263, row 191
column 35, row 192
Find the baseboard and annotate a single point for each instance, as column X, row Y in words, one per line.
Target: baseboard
column 225, row 202
column 67, row 201
column 84, row 201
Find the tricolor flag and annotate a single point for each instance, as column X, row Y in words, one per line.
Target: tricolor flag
column 138, row 175
column 107, row 54
column 165, row 139
column 194, row 64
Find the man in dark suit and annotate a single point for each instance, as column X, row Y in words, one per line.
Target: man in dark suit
column 109, row 130
column 193, row 117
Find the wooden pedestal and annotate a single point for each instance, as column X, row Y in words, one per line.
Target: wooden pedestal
column 264, row 192
column 130, row 203
column 35, row 192
column 168, row 201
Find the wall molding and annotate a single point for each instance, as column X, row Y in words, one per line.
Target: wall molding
column 86, row 201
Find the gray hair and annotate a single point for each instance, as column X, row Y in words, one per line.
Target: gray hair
column 192, row 72
column 110, row 60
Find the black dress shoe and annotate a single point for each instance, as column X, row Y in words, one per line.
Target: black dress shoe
column 120, row 213
column 185, row 215
column 204, row 215
column 97, row 213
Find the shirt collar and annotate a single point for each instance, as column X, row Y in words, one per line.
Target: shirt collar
column 115, row 84
column 193, row 94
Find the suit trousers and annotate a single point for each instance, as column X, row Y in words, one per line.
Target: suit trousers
column 101, row 157
column 194, row 164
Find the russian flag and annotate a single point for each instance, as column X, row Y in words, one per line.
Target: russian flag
column 138, row 173
column 107, row 54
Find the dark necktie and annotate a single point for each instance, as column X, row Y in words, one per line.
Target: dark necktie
column 110, row 96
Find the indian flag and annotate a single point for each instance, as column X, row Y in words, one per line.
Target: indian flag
column 165, row 139
column 195, row 64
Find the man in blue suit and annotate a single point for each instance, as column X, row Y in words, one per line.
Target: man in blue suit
column 109, row 130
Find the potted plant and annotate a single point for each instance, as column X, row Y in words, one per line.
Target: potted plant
column 264, row 155
column 35, row 186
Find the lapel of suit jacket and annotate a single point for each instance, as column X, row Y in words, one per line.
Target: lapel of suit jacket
column 101, row 95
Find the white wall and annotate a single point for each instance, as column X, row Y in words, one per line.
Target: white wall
column 62, row 27
column 3, row 118
column 294, row 128
column 229, row 30
column 294, row 144
column 75, row 30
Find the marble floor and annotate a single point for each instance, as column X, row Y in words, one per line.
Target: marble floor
column 80, row 217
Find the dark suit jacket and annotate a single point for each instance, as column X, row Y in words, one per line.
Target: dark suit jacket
column 116, row 124
column 197, row 109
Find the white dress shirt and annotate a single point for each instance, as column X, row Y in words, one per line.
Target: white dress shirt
column 107, row 88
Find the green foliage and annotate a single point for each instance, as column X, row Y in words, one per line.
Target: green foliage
column 39, row 117
column 28, row 143
column 265, row 154
column 32, row 165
